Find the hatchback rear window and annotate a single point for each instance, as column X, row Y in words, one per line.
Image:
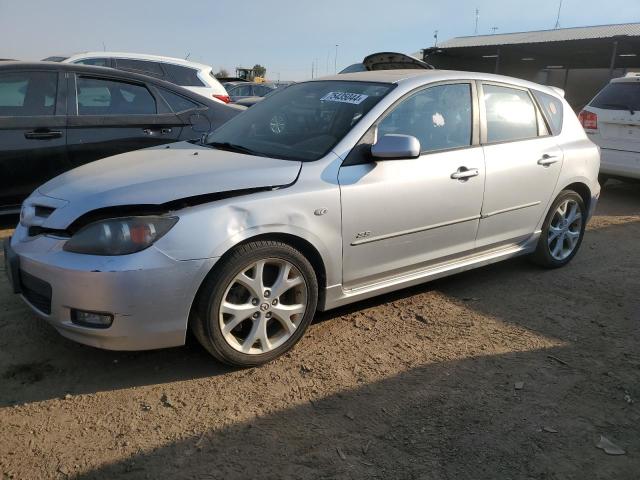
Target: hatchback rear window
column 618, row 96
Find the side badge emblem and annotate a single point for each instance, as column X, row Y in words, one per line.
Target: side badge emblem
column 320, row 211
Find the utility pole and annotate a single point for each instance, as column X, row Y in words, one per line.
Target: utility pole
column 475, row 32
column 558, row 17
column 335, row 60
column 435, row 38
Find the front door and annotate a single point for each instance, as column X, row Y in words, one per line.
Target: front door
column 402, row 215
column 523, row 163
column 32, row 133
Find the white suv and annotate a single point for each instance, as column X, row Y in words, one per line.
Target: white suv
column 196, row 77
column 612, row 121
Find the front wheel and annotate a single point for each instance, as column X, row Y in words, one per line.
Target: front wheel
column 256, row 304
column 562, row 231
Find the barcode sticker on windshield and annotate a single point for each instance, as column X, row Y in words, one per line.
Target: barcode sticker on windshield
column 344, row 97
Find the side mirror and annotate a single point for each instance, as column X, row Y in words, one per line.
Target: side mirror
column 396, row 147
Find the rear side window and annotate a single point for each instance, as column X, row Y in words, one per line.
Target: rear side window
column 108, row 97
column 178, row 103
column 552, row 109
column 98, row 62
column 618, row 96
column 184, row 76
column 240, row 91
column 28, row 93
column 145, row 67
column 510, row 113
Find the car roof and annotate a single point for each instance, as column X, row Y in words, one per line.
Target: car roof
column 429, row 76
column 105, row 71
column 139, row 56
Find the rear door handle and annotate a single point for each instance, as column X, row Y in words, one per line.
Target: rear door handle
column 43, row 134
column 547, row 160
column 463, row 173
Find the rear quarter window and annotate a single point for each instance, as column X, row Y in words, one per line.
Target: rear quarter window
column 145, row 67
column 183, row 76
column 552, row 109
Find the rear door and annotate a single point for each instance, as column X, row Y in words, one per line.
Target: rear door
column 523, row 163
column 32, row 132
column 110, row 115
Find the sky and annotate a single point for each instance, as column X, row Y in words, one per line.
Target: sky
column 286, row 36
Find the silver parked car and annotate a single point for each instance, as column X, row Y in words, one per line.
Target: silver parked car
column 332, row 191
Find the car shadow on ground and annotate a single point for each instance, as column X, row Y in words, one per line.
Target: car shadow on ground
column 441, row 421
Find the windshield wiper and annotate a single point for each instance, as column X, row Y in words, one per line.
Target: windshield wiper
column 232, row 147
column 622, row 106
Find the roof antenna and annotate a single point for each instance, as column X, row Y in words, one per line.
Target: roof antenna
column 558, row 17
column 477, row 18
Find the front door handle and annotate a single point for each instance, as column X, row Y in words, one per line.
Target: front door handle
column 43, row 134
column 547, row 160
column 464, row 173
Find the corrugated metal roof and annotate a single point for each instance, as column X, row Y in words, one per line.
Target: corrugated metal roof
column 543, row 36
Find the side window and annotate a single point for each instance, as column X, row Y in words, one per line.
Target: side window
column 439, row 117
column 108, row 97
column 552, row 108
column 261, row 90
column 28, row 93
column 177, row 102
column 184, row 76
column 241, row 91
column 511, row 114
column 98, row 62
column 145, row 67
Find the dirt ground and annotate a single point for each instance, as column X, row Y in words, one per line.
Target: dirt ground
column 420, row 384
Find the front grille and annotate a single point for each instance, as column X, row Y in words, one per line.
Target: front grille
column 36, row 291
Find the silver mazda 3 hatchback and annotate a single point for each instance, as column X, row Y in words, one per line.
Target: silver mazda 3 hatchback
column 330, row 192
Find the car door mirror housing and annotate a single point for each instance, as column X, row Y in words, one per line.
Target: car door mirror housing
column 395, row 147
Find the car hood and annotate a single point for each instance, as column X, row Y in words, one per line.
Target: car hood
column 158, row 175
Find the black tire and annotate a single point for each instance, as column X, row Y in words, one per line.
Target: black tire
column 542, row 256
column 205, row 324
column 602, row 179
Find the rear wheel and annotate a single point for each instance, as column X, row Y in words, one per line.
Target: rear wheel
column 562, row 231
column 256, row 304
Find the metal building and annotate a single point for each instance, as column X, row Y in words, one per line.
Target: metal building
column 580, row 60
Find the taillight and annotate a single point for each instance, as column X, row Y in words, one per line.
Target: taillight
column 589, row 120
column 223, row 98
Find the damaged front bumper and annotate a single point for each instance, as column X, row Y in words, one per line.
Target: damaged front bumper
column 148, row 293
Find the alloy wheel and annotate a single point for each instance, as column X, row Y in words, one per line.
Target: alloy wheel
column 263, row 306
column 565, row 229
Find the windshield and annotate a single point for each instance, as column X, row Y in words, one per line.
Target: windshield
column 302, row 122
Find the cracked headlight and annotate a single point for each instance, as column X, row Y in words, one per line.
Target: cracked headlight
column 119, row 236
